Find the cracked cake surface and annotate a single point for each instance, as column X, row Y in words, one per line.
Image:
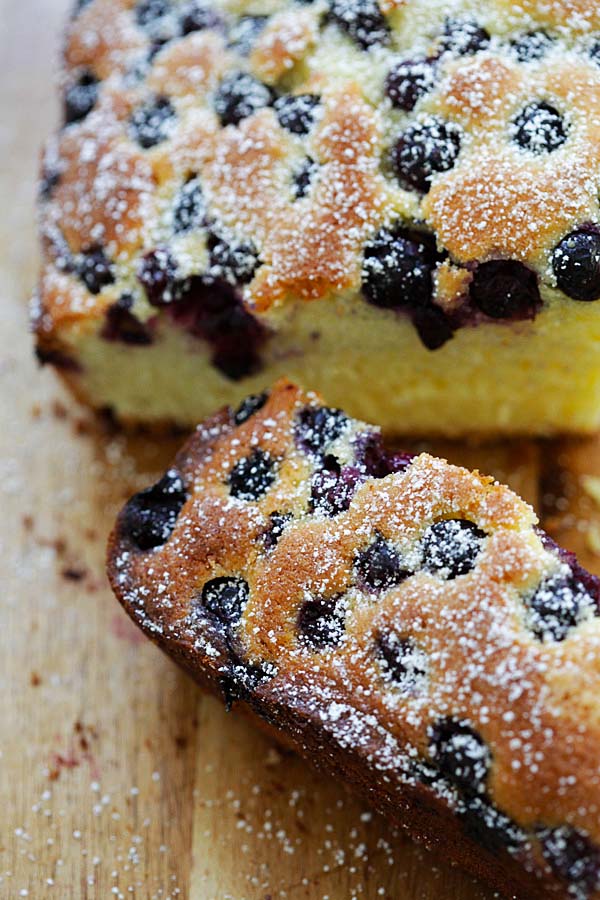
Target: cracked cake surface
column 331, row 190
column 400, row 621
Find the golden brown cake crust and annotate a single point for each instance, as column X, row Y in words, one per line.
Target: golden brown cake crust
column 477, row 655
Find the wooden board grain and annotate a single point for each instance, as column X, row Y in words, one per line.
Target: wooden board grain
column 117, row 778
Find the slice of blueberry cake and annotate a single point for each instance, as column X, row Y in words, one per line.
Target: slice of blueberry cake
column 393, row 202
column 398, row 620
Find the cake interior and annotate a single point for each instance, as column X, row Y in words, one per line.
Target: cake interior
column 368, row 361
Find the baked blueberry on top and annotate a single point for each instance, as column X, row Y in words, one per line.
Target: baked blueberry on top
column 362, row 20
column 244, row 32
column 252, row 476
column 460, row 754
column 95, row 269
column 399, row 621
column 559, row 604
column 319, row 426
column 398, row 270
column 238, row 96
column 402, row 661
column 320, row 623
column 197, row 16
column 224, row 598
column 463, row 36
column 451, row 547
column 150, row 516
column 379, row 566
column 540, row 128
column 151, row 122
column 410, row 80
column 424, row 149
column 80, row 97
column 189, row 209
column 576, row 264
column 157, row 274
column 394, row 202
column 532, row 45
column 296, row 112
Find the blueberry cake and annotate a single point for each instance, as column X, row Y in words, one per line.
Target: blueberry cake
column 394, row 202
column 398, row 620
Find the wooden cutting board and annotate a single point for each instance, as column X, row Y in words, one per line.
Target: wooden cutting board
column 117, row 778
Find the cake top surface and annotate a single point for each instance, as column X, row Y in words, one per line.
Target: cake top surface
column 304, row 150
column 410, row 606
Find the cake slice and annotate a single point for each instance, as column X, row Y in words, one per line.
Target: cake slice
column 395, row 204
column 399, row 621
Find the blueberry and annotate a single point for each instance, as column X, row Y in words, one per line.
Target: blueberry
column 148, row 11
column 410, row 80
column 296, row 112
column 231, row 260
column 321, row 623
column 248, row 407
column 156, row 19
column 371, row 455
column 463, row 37
column 397, row 270
column 49, row 180
column 57, row 358
column 63, row 259
column 155, row 47
column 489, row 827
column 150, row 516
column 505, row 289
column 317, row 426
column 559, row 604
column 576, row 264
column 401, row 660
column 425, row 149
column 80, row 5
column 252, row 476
column 379, row 566
column 531, row 46
column 244, row 32
column 460, row 754
column 373, row 459
column 277, row 524
column 591, row 582
column 303, row 177
column 197, row 16
column 81, row 97
column 151, row 123
column 450, row 547
column 539, row 128
column 243, row 678
column 189, row 211
column 361, row 20
column 433, row 326
column 225, row 598
column 333, row 487
column 573, row 857
column 157, row 273
column 399, row 462
column 122, row 325
column 238, row 96
column 214, row 310
column 95, row 269
column 595, row 51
